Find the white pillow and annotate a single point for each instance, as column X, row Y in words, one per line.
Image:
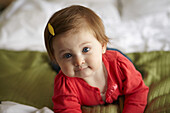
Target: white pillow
column 132, row 9
column 146, row 25
column 23, row 22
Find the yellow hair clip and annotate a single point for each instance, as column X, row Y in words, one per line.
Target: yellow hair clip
column 51, row 29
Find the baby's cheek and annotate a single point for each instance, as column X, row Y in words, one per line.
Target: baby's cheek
column 68, row 70
column 95, row 61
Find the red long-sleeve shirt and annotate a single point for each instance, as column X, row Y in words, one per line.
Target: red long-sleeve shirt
column 123, row 79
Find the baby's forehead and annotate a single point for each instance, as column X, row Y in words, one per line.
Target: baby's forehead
column 76, row 31
column 74, row 37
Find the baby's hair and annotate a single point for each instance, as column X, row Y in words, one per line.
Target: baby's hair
column 73, row 18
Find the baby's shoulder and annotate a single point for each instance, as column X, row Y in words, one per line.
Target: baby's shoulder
column 112, row 55
column 63, row 84
column 116, row 56
column 61, row 78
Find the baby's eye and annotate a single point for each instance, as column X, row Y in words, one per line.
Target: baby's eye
column 86, row 49
column 67, row 55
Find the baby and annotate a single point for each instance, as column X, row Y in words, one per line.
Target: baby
column 90, row 74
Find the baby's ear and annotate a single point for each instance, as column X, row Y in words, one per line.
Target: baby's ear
column 104, row 46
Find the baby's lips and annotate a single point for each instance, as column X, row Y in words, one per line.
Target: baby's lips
column 80, row 68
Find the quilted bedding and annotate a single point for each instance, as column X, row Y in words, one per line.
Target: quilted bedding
column 27, row 77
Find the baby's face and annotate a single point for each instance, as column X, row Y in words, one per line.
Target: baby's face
column 78, row 54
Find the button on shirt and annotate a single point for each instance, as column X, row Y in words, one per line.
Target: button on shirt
column 70, row 93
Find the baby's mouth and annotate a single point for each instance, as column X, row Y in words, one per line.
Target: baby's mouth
column 80, row 68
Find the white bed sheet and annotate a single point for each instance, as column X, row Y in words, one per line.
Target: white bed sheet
column 130, row 30
column 13, row 107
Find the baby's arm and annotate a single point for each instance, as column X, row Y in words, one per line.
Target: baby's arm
column 135, row 99
column 64, row 99
column 66, row 104
column 134, row 89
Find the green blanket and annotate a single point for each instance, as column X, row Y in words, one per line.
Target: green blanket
column 26, row 77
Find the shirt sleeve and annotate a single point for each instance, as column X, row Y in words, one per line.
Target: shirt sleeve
column 134, row 89
column 64, row 99
column 66, row 104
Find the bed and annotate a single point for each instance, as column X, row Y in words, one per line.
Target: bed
column 138, row 28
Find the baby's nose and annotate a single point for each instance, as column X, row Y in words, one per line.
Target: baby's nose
column 79, row 60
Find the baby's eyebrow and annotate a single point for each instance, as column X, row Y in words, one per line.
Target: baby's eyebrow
column 84, row 43
column 62, row 51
